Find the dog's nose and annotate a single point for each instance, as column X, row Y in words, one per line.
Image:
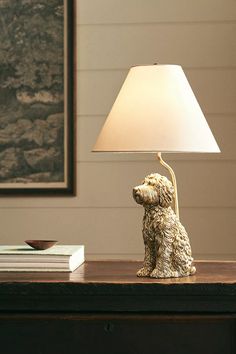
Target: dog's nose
column 137, row 194
column 136, row 191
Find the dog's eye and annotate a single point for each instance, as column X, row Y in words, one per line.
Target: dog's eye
column 151, row 183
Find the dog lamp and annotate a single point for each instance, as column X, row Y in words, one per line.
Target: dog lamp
column 156, row 112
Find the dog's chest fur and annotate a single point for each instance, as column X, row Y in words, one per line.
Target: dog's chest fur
column 153, row 222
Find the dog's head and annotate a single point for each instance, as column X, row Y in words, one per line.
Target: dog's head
column 155, row 190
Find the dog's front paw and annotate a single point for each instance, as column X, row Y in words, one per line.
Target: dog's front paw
column 144, row 272
column 156, row 273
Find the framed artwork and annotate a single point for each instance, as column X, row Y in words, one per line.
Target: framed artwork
column 37, row 105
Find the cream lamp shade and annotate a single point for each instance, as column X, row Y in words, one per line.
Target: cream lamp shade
column 156, row 111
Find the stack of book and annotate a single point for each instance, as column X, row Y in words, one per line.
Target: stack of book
column 59, row 258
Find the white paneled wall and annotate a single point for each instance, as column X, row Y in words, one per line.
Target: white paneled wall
column 114, row 35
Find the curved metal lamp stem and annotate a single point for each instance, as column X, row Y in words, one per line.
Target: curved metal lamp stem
column 163, row 163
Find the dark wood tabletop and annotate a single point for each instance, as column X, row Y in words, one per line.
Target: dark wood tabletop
column 104, row 308
column 124, row 272
column 114, row 286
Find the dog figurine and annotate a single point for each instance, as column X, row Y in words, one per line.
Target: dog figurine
column 167, row 247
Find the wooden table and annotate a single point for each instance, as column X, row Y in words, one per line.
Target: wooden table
column 104, row 308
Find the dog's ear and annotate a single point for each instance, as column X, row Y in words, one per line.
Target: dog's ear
column 166, row 192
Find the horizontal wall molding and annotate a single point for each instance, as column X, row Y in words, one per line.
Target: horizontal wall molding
column 189, row 68
column 158, row 23
column 92, row 116
column 91, row 207
column 152, row 159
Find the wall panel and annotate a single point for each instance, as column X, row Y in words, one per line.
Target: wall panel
column 215, row 90
column 223, row 127
column 114, row 35
column 110, row 184
column 115, row 231
column 141, row 11
column 207, row 45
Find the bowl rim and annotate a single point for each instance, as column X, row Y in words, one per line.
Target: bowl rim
column 44, row 241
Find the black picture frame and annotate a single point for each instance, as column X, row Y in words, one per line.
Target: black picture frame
column 37, row 98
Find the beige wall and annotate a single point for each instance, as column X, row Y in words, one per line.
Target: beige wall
column 112, row 36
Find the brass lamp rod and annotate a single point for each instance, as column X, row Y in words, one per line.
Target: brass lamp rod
column 163, row 163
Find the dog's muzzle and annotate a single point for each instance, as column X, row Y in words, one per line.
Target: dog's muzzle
column 137, row 195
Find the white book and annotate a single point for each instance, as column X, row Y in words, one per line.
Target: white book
column 58, row 258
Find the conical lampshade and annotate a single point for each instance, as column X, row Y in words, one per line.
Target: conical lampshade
column 156, row 111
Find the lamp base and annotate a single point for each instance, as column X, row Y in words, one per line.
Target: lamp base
column 167, row 247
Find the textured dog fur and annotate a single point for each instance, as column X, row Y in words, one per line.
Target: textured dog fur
column 167, row 247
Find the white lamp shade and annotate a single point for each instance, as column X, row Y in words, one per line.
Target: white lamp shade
column 156, row 111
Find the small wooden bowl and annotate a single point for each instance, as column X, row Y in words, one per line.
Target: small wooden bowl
column 41, row 244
